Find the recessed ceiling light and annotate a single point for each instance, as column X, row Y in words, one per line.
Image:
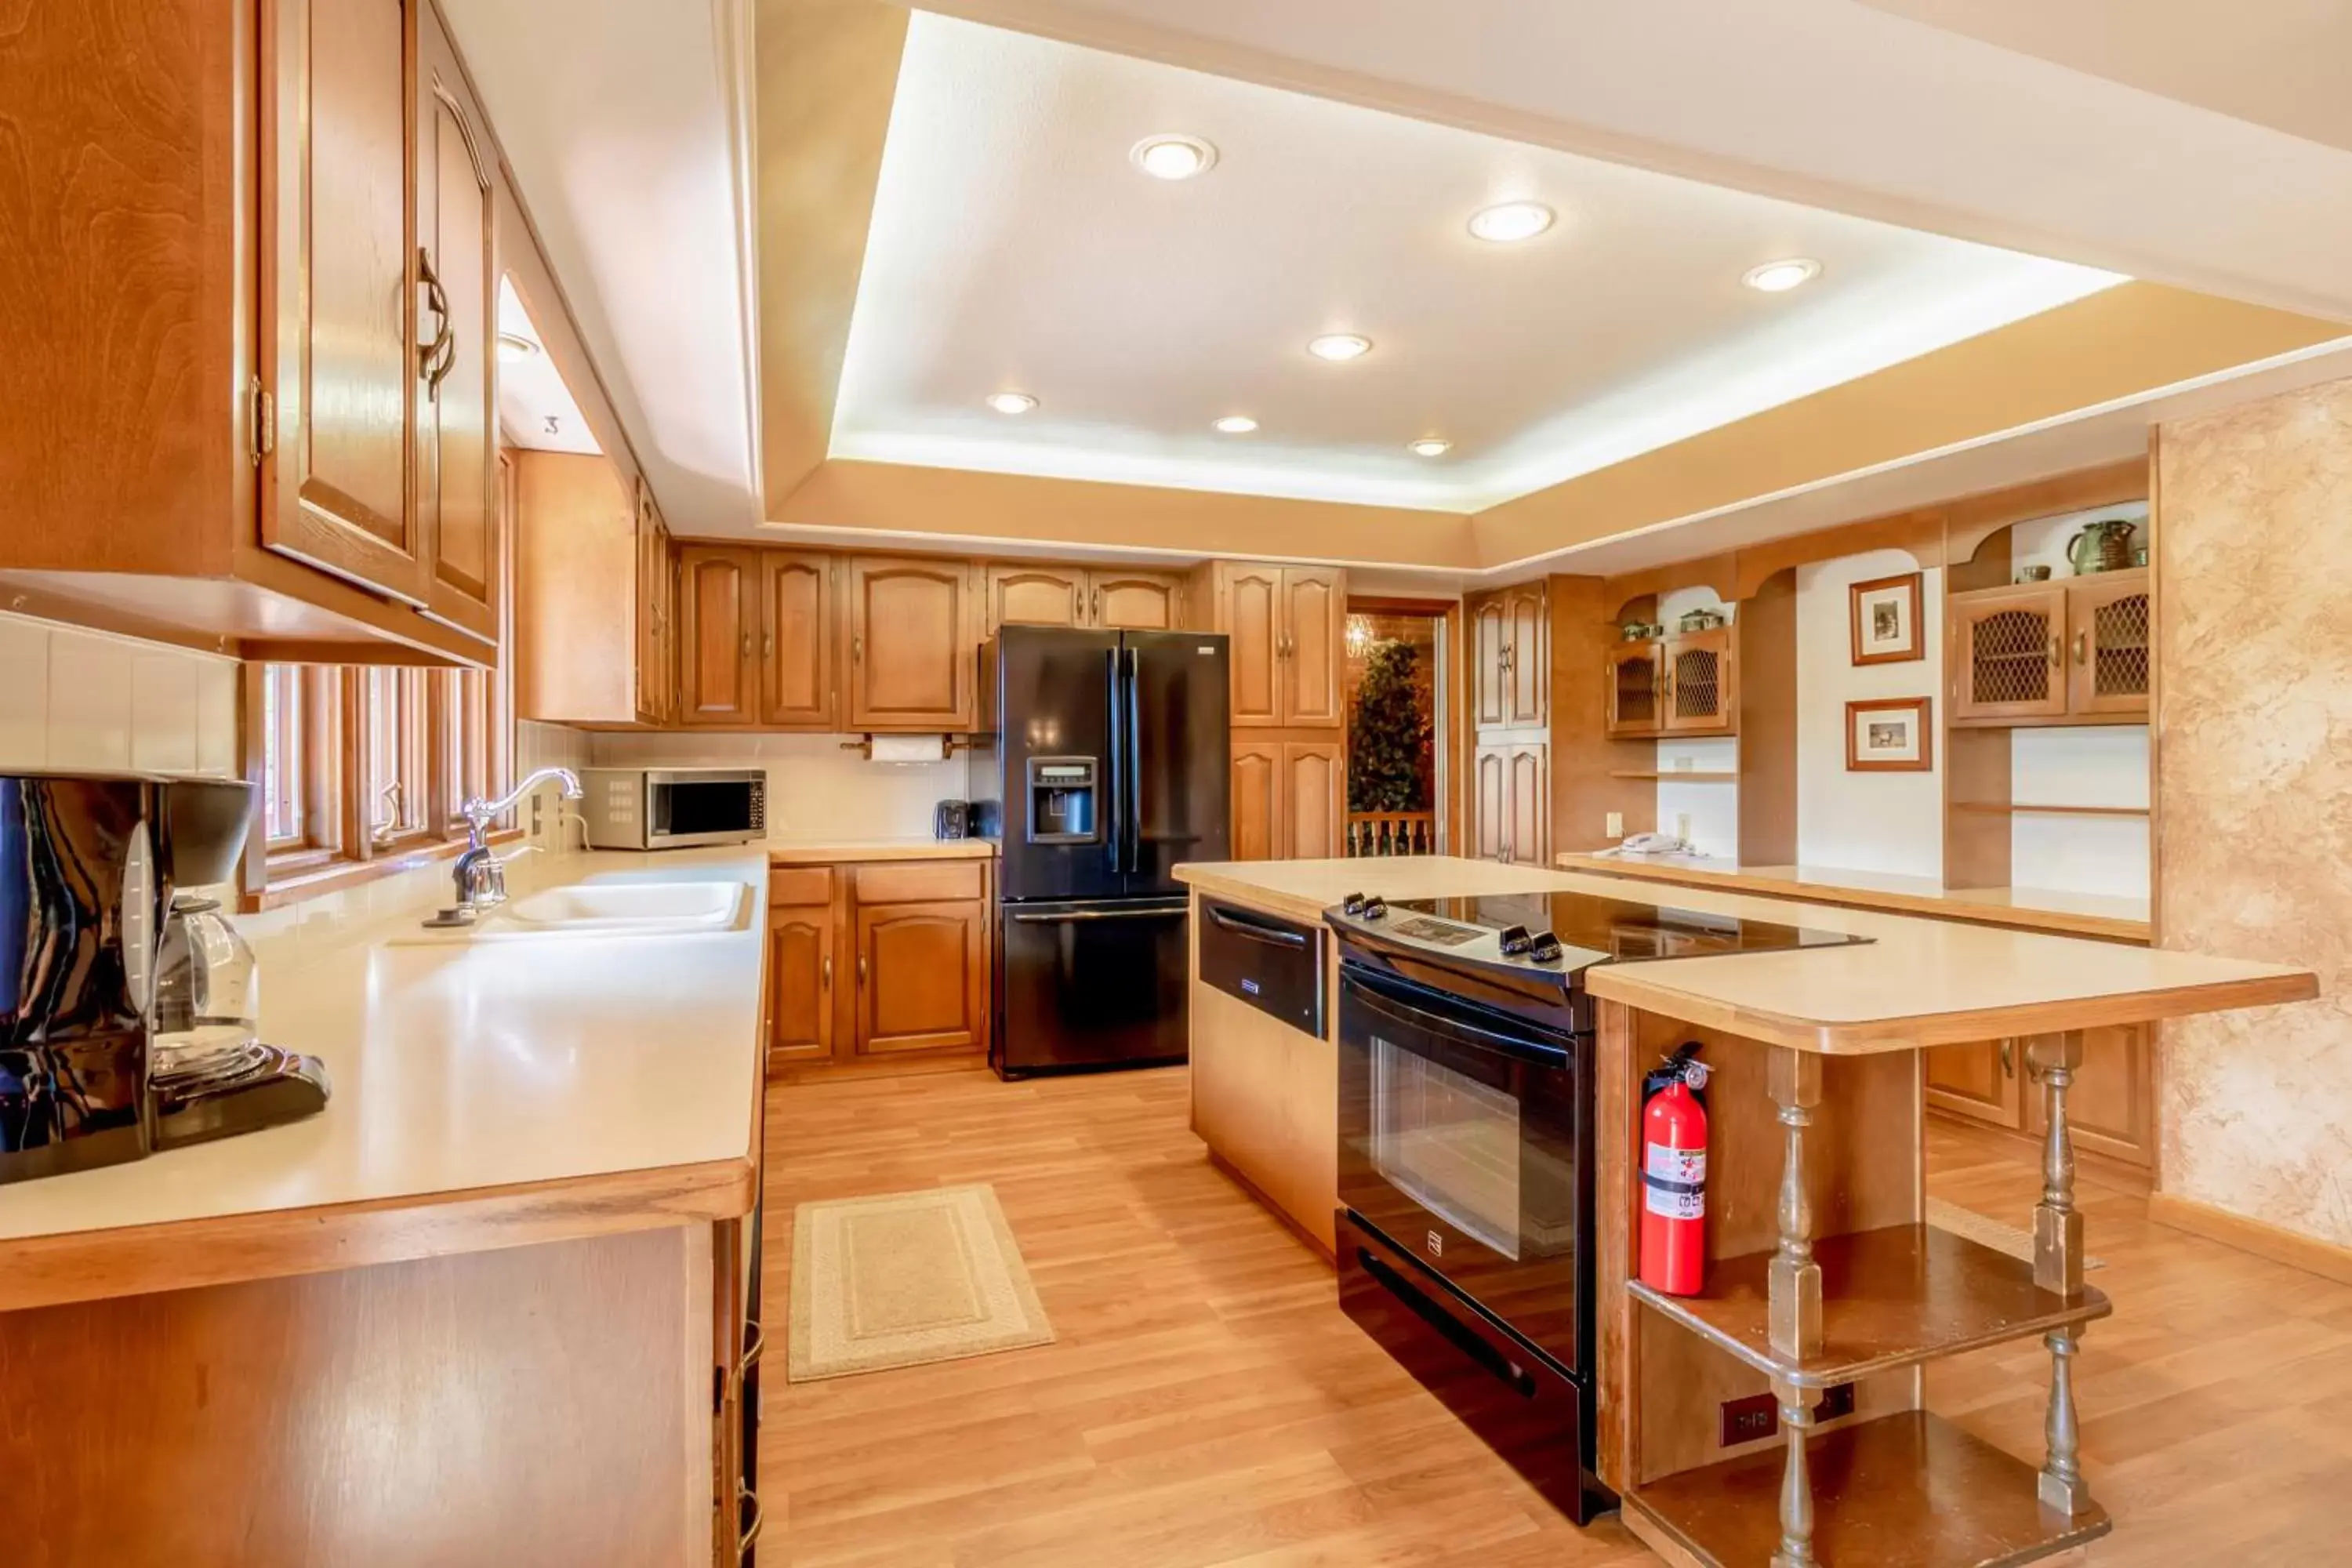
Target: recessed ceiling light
column 1173, row 157
column 1780, row 277
column 1432, row 447
column 1509, row 221
column 1237, row 424
column 515, row 346
column 1339, row 346
column 1011, row 402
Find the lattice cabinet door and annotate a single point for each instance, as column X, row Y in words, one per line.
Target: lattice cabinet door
column 2109, row 653
column 2008, row 653
column 1701, row 694
column 1635, row 689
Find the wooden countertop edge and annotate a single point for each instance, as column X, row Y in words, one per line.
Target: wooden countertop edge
column 2061, row 922
column 1871, row 1037
column 96, row 1265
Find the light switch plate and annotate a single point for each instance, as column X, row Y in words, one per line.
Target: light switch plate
column 1616, row 828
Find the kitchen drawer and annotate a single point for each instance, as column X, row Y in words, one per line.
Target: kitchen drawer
column 797, row 884
column 915, row 881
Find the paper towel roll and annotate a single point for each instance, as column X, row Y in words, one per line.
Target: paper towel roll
column 910, row 748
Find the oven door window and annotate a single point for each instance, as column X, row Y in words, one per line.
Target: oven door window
column 1447, row 1133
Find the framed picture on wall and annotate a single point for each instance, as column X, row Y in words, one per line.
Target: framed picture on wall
column 1888, row 735
column 1885, row 612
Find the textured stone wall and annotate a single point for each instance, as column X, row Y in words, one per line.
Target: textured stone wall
column 2255, row 786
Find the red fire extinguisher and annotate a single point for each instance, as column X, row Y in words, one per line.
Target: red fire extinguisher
column 1673, row 1175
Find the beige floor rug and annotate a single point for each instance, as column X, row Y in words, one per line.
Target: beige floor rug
column 2012, row 1239
column 907, row 1278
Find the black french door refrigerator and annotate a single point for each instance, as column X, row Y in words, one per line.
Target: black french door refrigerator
column 1106, row 766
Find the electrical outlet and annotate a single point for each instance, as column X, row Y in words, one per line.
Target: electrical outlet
column 1616, row 828
column 1746, row 1420
column 1835, row 1402
column 537, row 800
column 1681, row 826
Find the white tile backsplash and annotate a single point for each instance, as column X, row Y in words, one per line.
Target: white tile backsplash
column 75, row 698
column 24, row 693
column 818, row 791
column 163, row 712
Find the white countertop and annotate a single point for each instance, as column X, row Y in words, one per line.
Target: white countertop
column 824, row 852
column 1919, row 981
column 460, row 1067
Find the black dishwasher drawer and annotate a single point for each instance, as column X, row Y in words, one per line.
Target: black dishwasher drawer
column 1271, row 963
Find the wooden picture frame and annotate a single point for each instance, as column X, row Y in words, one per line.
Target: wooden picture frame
column 1883, row 618
column 1867, row 752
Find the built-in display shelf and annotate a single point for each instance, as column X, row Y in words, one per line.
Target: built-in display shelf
column 1680, row 775
column 1909, row 1490
column 2012, row 808
column 1892, row 1297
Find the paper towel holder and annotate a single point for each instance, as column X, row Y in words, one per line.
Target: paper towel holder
column 949, row 745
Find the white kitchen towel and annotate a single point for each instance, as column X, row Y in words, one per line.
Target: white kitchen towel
column 909, row 748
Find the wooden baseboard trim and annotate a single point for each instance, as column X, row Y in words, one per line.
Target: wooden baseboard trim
column 2293, row 1249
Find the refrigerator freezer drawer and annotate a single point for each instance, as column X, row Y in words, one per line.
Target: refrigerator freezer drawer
column 1271, row 963
column 1096, row 983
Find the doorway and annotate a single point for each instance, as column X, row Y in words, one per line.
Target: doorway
column 1398, row 783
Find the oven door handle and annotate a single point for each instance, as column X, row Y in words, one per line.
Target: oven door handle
column 1272, row 936
column 1370, row 994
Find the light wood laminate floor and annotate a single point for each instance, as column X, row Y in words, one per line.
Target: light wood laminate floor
column 1207, row 1404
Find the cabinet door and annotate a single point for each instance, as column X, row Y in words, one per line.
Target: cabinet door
column 1132, row 601
column 913, row 643
column 1490, row 640
column 456, row 396
column 1531, row 804
column 1528, row 690
column 922, row 977
column 1249, row 601
column 1700, row 693
column 1314, row 631
column 1256, row 799
column 1036, row 596
column 1978, row 1080
column 656, row 612
column 1635, row 706
column 796, row 641
column 2109, row 659
column 718, row 671
column 2005, row 658
column 347, row 360
column 1313, row 812
column 800, row 984
column 1491, row 795
column 2111, row 1105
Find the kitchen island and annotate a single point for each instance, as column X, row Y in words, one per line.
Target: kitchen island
column 1824, row 1279
column 488, row 1306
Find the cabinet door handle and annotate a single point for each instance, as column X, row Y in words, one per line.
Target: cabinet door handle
column 2008, row 1058
column 861, row 970
column 2057, row 654
column 752, row 1352
column 1097, row 611
column 436, row 359
column 2083, row 648
column 747, row 645
column 857, row 650
column 750, row 1536
column 767, row 644
column 825, row 981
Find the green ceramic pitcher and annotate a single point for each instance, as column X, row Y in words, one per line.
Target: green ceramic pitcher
column 2104, row 546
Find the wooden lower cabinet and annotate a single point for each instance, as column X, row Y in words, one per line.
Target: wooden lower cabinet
column 879, row 962
column 1510, row 795
column 1289, row 797
column 2111, row 1107
column 1262, row 1099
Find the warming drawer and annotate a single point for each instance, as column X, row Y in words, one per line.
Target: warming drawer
column 1274, row 964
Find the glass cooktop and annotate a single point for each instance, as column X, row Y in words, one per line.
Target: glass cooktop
column 1616, row 930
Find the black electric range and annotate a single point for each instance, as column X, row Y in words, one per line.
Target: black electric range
column 1467, row 1138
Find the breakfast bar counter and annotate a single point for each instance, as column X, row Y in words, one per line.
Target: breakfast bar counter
column 1824, row 1289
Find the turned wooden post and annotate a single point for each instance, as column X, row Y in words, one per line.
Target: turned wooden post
column 1795, row 1279
column 1796, row 1550
column 2058, row 1267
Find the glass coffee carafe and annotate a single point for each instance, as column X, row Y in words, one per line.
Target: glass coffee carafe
column 208, row 998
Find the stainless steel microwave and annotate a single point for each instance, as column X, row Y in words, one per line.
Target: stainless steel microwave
column 673, row 808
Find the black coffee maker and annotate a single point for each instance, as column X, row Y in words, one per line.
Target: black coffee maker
column 88, row 869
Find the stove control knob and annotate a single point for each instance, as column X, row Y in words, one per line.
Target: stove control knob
column 1545, row 948
column 1516, row 941
column 1353, row 904
column 1375, row 908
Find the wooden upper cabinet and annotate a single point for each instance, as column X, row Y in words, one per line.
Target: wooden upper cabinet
column 1527, row 689
column 1313, row 799
column 586, row 591
column 1490, row 642
column 2109, row 650
column 1249, row 612
column 718, row 661
column 798, row 685
column 1036, row 596
column 914, row 633
column 1313, row 628
column 1636, row 682
column 1701, row 690
column 1256, row 799
column 657, row 617
column 2008, row 648
column 348, row 361
column 1133, row 601
column 456, row 391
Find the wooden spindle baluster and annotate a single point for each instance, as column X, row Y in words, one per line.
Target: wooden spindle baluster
column 2061, row 1482
column 2058, row 1258
column 1795, row 1279
column 1796, row 1482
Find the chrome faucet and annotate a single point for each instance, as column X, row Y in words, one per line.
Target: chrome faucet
column 479, row 874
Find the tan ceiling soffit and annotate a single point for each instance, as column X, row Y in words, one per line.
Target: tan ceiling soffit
column 2120, row 344
column 827, row 72
column 966, row 505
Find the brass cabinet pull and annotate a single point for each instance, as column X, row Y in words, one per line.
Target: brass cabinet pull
column 861, row 969
column 755, row 1350
column 750, row 1536
column 2008, row 1058
column 1098, row 606
column 857, row 650
column 2083, row 648
column 826, row 983
column 2057, row 654
column 767, row 644
column 436, row 359
column 747, row 645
